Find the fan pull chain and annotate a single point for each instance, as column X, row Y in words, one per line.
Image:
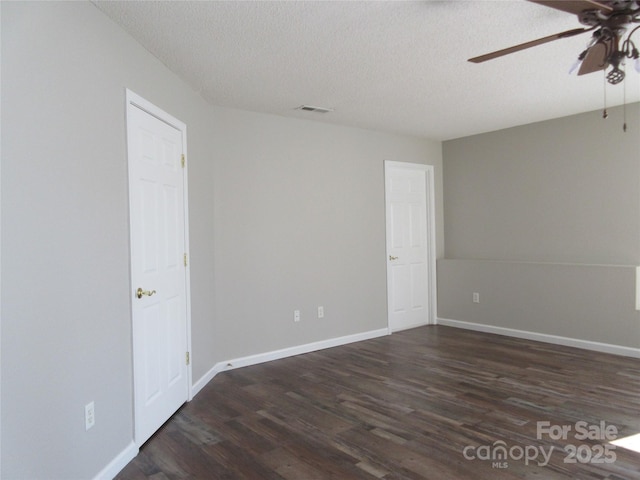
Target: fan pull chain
column 605, row 114
column 624, row 102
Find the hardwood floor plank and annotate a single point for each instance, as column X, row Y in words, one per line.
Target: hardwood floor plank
column 198, row 432
column 429, row 403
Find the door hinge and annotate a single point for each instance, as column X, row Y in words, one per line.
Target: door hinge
column 188, row 358
column 185, row 259
column 182, row 160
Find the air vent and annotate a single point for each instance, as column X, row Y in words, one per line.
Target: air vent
column 311, row 108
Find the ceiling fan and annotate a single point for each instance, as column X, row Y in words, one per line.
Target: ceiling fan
column 609, row 21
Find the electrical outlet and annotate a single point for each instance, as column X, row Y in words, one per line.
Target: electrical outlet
column 296, row 315
column 89, row 415
column 476, row 297
column 321, row 312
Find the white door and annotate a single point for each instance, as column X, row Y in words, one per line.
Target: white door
column 158, row 266
column 410, row 245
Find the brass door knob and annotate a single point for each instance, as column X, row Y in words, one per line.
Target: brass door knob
column 391, row 257
column 140, row 292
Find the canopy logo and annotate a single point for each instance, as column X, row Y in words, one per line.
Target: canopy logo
column 499, row 453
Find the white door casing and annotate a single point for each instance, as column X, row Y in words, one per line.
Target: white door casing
column 159, row 272
column 410, row 220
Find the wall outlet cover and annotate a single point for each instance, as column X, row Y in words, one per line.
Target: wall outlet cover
column 89, row 415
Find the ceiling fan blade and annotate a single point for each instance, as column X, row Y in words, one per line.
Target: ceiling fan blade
column 595, row 60
column 574, row 6
column 533, row 43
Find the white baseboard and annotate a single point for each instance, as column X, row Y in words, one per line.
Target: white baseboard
column 543, row 337
column 285, row 352
column 117, row 464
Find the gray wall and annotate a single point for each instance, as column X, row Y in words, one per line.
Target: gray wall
column 300, row 223
column 541, row 220
column 284, row 214
column 565, row 190
column 66, row 336
column 593, row 303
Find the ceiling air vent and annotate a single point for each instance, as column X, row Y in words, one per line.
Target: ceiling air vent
column 311, row 108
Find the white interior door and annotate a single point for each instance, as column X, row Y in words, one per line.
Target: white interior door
column 410, row 245
column 159, row 293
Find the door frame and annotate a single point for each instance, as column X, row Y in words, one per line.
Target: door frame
column 136, row 101
column 430, row 199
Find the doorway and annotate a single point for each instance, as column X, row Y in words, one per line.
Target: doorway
column 411, row 259
column 160, row 306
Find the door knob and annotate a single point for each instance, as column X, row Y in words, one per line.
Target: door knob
column 140, row 292
column 391, row 257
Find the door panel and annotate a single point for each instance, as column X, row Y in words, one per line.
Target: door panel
column 416, row 225
column 150, row 334
column 418, row 286
column 158, row 245
column 400, row 281
column 410, row 268
column 397, row 225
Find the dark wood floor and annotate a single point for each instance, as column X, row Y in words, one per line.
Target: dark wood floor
column 406, row 406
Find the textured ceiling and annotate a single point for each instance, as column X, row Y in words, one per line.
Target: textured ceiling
column 388, row 65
